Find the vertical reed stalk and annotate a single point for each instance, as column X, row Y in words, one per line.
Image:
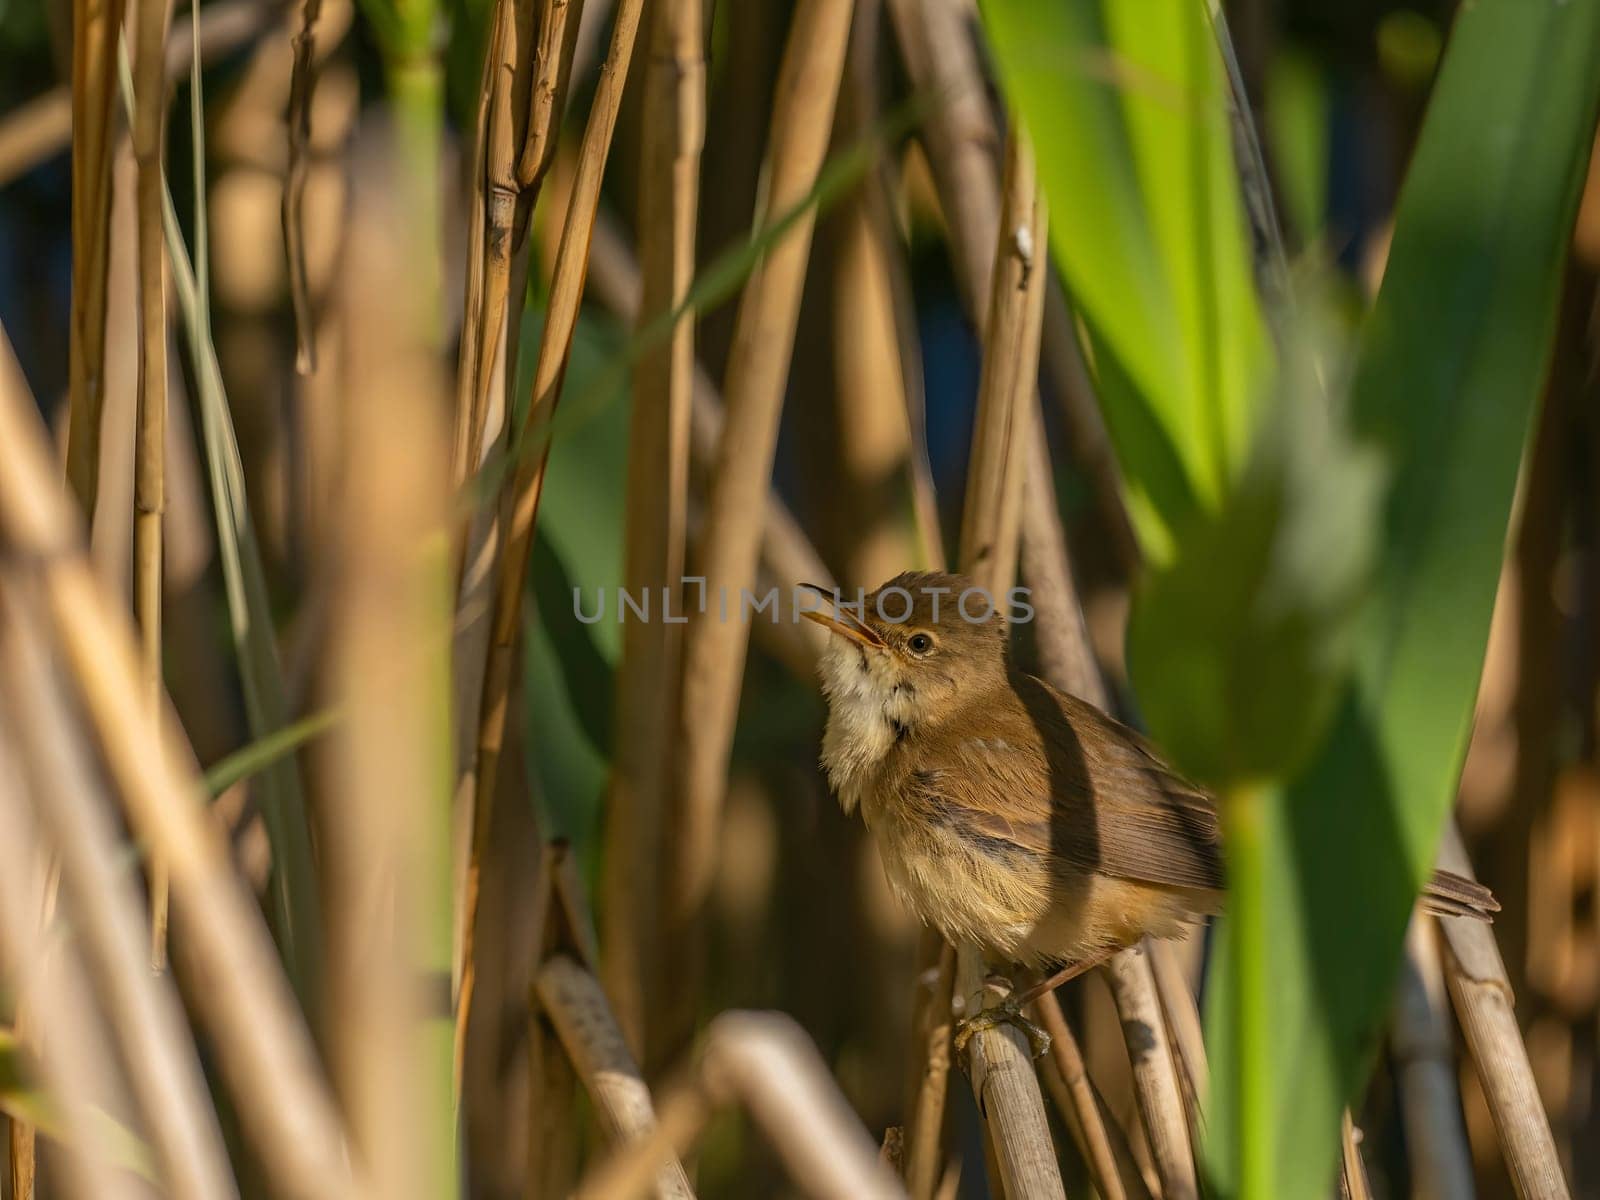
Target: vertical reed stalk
column 644, row 922
column 260, row 1038
column 758, row 369
column 520, row 503
column 302, row 82
column 96, row 25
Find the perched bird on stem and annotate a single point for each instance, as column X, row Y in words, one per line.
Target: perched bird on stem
column 1009, row 814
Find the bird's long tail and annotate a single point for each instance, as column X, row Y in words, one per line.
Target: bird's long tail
column 1447, row 894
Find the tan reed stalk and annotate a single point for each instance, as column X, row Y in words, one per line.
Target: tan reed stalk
column 32, row 132
column 236, row 983
column 77, row 1066
column 593, row 1041
column 922, row 1155
column 758, row 369
column 1100, row 1140
column 643, row 925
column 387, row 849
column 1352, row 1171
column 22, row 1156
column 96, row 25
column 764, row 1062
column 520, row 503
column 302, row 81
column 960, row 136
column 963, row 147
column 1006, row 1087
column 150, row 441
column 1484, row 1006
column 999, row 1059
column 106, row 911
column 1422, row 1047
column 560, row 925
column 990, row 519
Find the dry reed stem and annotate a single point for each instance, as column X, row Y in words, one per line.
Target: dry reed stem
column 386, row 857
column 758, row 368
column 107, row 913
column 1006, row 1087
column 561, row 925
column 32, row 132
column 1423, row 1051
column 150, row 439
column 22, row 1157
column 302, row 81
column 234, row 976
column 1481, row 993
column 764, row 1062
column 520, row 504
column 593, row 1041
column 990, row 519
column 1100, row 1140
column 1155, row 1075
column 922, row 1154
column 1352, row 1171
column 96, row 25
column 76, row 1060
column 645, row 924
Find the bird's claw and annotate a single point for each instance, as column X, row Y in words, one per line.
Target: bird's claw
column 1007, row 1012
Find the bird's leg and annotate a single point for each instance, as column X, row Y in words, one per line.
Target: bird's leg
column 1049, row 984
column 1006, row 1012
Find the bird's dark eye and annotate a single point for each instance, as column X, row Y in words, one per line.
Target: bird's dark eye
column 920, row 643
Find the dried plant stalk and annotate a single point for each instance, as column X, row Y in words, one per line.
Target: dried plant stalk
column 520, row 505
column 261, row 1041
column 1352, row 1171
column 766, row 1063
column 1424, row 1056
column 106, row 910
column 387, row 853
column 95, row 28
column 1481, row 993
column 642, row 916
column 50, row 983
column 582, row 1016
column 1100, row 1141
column 758, row 369
column 922, row 1156
column 302, row 80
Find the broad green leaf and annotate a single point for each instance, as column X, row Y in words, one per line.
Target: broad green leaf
column 1124, row 101
column 1449, row 371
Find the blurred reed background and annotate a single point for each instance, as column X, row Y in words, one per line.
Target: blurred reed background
column 354, row 354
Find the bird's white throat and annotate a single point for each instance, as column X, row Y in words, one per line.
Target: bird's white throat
column 868, row 712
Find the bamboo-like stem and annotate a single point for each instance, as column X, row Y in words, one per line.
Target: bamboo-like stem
column 302, row 81
column 764, row 1062
column 758, row 368
column 922, row 1156
column 260, row 1039
column 163, row 1067
column 32, row 132
column 1101, row 1142
column 1352, row 1171
column 1155, row 1078
column 520, row 504
column 95, row 28
column 647, row 933
column 150, row 440
column 1423, row 1050
column 77, row 1068
column 387, row 847
column 1000, row 1065
column 991, row 517
column 588, row 1030
column 1481, row 994
column 21, row 1157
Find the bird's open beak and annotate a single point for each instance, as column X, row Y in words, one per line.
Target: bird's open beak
column 849, row 626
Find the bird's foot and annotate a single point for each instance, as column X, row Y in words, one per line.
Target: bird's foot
column 1007, row 1012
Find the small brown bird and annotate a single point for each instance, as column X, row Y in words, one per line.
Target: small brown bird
column 1009, row 814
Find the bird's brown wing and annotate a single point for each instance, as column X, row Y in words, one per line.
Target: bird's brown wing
column 1054, row 779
